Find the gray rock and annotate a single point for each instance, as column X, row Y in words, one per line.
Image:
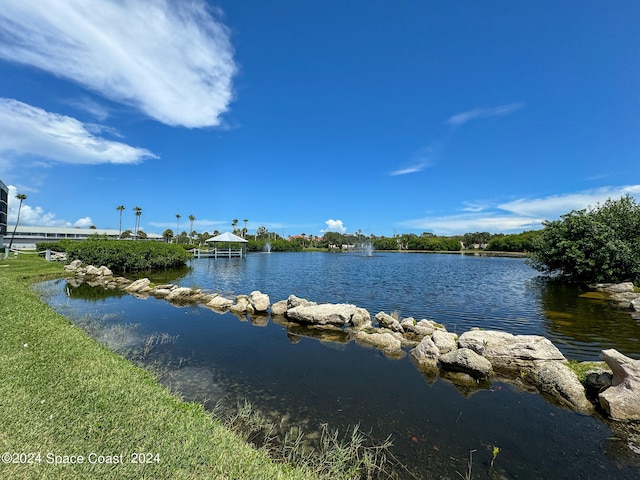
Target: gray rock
column 279, row 308
column 294, row 301
column 139, row 286
column 556, row 379
column 387, row 321
column 426, row 354
column 105, row 271
column 180, row 295
column 341, row 314
column 613, row 287
column 92, row 270
column 445, row 341
column 505, row 350
column 242, row 305
column 220, row 303
column 467, row 361
column 622, row 400
column 260, row 301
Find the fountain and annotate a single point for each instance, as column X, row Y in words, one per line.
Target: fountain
column 367, row 249
column 267, row 247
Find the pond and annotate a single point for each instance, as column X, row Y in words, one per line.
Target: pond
column 434, row 424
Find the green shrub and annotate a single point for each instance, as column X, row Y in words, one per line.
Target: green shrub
column 600, row 244
column 127, row 255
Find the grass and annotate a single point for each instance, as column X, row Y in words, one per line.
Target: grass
column 62, row 394
column 581, row 368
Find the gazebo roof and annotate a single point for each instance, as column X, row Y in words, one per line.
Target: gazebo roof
column 227, row 237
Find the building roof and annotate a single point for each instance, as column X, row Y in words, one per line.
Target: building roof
column 227, row 237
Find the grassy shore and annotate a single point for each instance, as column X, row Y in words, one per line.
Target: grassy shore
column 66, row 398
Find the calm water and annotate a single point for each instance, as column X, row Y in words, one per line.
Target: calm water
column 307, row 382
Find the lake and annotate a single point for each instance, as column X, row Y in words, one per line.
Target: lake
column 434, row 424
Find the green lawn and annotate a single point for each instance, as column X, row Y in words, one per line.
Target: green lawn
column 63, row 395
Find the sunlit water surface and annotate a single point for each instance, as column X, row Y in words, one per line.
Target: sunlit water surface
column 288, row 375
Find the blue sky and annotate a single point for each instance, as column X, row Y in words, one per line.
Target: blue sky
column 381, row 116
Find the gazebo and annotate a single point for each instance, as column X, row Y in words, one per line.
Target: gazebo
column 233, row 243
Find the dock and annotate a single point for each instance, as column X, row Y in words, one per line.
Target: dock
column 219, row 253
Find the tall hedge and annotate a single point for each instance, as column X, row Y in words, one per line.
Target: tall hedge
column 127, row 255
column 600, row 244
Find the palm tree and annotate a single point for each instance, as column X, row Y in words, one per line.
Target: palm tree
column 234, row 224
column 120, row 208
column 21, row 197
column 191, row 219
column 244, row 232
column 167, row 234
column 138, row 211
column 178, row 216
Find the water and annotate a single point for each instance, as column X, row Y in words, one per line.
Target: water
column 434, row 423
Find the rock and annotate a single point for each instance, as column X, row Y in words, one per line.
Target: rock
column 105, row 271
column 160, row 292
column 73, row 266
column 260, row 301
column 242, row 305
column 467, row 361
column 180, row 295
column 384, row 341
column 423, row 328
column 220, row 303
column 426, row 353
column 387, row 321
column 505, row 350
column 279, row 308
column 635, row 304
column 445, row 341
column 556, row 379
column 91, row 270
column 597, row 381
column 613, row 287
column 294, row 301
column 622, row 400
column 139, row 286
column 341, row 314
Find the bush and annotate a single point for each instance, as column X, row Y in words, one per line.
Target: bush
column 517, row 242
column 600, row 244
column 127, row 255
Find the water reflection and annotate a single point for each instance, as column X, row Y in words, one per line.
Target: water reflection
column 307, row 377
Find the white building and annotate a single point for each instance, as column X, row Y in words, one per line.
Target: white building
column 26, row 236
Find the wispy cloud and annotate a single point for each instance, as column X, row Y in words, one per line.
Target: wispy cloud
column 171, row 60
column 27, row 131
column 517, row 215
column 460, row 119
column 412, row 169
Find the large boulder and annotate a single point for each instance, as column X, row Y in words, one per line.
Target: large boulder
column 260, row 301
column 426, row 353
column 279, row 308
column 423, row 328
column 242, row 305
column 556, row 379
column 505, row 350
column 467, row 361
column 622, row 400
column 341, row 314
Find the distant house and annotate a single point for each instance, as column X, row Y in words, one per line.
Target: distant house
column 27, row 236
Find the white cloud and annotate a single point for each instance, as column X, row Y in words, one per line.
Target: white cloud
column 517, row 215
column 412, row 169
column 171, row 60
column 84, row 222
column 35, row 215
column 461, row 118
column 334, row 226
column 555, row 205
column 28, row 130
